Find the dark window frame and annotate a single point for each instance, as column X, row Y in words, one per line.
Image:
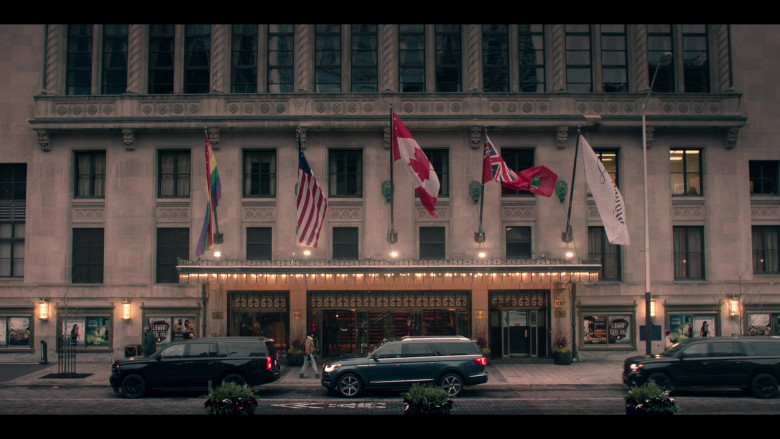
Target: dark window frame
column 280, row 63
column 259, row 182
column 346, row 243
column 689, row 261
column 162, row 51
column 197, row 59
column 433, row 242
column 518, row 242
column 172, row 244
column 607, row 254
column 327, row 58
column 114, row 69
column 495, row 58
column 364, row 71
column 88, row 255
column 531, row 51
column 764, row 177
column 243, row 58
column 614, row 58
column 690, row 185
column 696, row 59
column 765, row 246
column 448, row 58
column 78, row 71
column 13, row 195
column 345, row 173
column 411, row 58
column 177, row 175
column 579, row 57
column 259, row 243
column 90, row 182
column 660, row 39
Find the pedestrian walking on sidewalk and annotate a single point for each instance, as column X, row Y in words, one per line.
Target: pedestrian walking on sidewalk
column 308, row 356
column 150, row 343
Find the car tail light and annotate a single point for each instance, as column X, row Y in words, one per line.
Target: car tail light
column 269, row 363
column 481, row 361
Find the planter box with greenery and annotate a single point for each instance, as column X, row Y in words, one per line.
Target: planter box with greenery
column 294, row 357
column 649, row 399
column 231, row 399
column 561, row 351
column 426, row 400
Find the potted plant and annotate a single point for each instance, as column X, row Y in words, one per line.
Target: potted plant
column 231, row 399
column 426, row 400
column 295, row 354
column 483, row 347
column 649, row 399
column 561, row 351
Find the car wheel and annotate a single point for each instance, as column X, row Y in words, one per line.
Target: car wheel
column 662, row 380
column 764, row 386
column 349, row 386
column 234, row 378
column 451, row 383
column 133, row 386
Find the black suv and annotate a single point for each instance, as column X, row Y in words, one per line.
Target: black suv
column 198, row 364
column 745, row 362
column 448, row 361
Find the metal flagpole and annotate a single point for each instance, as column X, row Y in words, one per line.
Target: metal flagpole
column 482, row 195
column 392, row 238
column 567, row 235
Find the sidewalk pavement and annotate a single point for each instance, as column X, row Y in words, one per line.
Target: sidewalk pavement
column 530, row 374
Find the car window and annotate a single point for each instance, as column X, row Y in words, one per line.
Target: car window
column 390, row 350
column 417, row 350
column 726, row 349
column 696, row 350
column 458, row 348
column 202, row 350
column 246, row 350
column 173, row 351
column 763, row 348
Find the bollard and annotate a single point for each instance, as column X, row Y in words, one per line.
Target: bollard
column 44, row 353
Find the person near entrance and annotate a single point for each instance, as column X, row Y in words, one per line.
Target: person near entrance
column 150, row 343
column 308, row 356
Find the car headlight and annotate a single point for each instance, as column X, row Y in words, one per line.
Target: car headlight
column 331, row 367
column 635, row 367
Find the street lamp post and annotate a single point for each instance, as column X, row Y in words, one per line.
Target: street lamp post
column 648, row 297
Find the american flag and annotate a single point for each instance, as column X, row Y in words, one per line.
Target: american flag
column 311, row 203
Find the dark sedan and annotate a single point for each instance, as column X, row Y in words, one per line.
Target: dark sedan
column 751, row 363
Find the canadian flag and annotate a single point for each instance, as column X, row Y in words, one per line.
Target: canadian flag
column 424, row 179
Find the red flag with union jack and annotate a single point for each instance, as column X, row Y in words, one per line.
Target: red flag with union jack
column 538, row 179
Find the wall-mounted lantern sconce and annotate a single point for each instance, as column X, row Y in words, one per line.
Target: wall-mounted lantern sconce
column 734, row 306
column 480, row 314
column 652, row 307
column 43, row 310
column 482, row 254
column 125, row 309
column 297, row 315
column 393, row 254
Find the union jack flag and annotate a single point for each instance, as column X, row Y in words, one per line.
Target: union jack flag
column 537, row 179
column 494, row 167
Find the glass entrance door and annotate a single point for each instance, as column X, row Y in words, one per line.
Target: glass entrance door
column 520, row 332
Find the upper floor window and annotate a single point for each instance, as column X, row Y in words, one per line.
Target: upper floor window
column 161, row 50
column 173, row 173
column 78, row 74
column 258, row 243
column 579, row 74
column 448, row 58
column 696, row 66
column 90, row 173
column 660, row 41
column 517, row 159
column 345, row 173
column 608, row 158
column 495, row 57
column 280, row 58
column 327, row 58
column 764, row 177
column 766, row 242
column 440, row 160
column 607, row 254
column 172, row 244
column 685, row 166
column 197, row 55
column 243, row 59
column 531, row 57
column 13, row 193
column 259, row 173
column 688, row 252
column 411, row 57
column 87, row 256
column 432, row 243
column 364, row 76
column 614, row 60
column 114, row 58
column 345, row 243
column 13, row 182
column 518, row 242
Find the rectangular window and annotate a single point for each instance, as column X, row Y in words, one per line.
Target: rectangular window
column 605, row 330
column 696, row 63
column 449, row 62
column 765, row 249
column 688, row 325
column 260, row 173
column 345, row 173
column 688, row 252
column 327, row 58
column 440, row 160
column 531, row 56
column 608, row 158
column 161, row 50
column 172, row 244
column 197, row 56
column 13, row 193
column 364, row 58
column 659, row 41
column 87, row 256
column 87, row 331
column 243, row 59
column 760, row 324
column 614, row 60
column 495, row 57
column 114, row 58
column 685, row 168
column 173, row 180
column 432, row 243
column 16, row 329
column 518, row 242
column 764, row 177
column 281, row 45
column 78, row 74
column 345, row 243
column 517, row 159
column 259, row 243
column 411, row 57
column 579, row 73
column 90, row 174
column 608, row 255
